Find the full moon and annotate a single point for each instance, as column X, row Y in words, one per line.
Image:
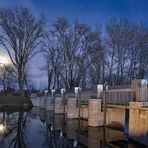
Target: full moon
column 4, row 59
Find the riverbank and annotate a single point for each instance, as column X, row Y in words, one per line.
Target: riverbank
column 15, row 101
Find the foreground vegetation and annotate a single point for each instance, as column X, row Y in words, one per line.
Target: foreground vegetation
column 15, row 101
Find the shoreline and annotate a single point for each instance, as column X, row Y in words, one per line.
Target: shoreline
column 15, row 102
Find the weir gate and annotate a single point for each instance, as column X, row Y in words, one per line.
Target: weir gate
column 123, row 107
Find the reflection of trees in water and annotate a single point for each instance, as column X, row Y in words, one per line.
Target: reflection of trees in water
column 2, row 124
column 3, row 118
column 54, row 138
column 5, row 126
column 18, row 140
column 15, row 125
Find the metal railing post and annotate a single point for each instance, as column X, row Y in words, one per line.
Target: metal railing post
column 63, row 99
column 53, row 97
column 78, row 95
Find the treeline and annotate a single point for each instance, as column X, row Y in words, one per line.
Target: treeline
column 76, row 54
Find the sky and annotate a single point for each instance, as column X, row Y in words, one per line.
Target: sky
column 91, row 12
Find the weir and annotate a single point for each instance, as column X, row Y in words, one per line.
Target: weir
column 118, row 107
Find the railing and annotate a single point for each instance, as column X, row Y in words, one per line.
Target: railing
column 120, row 97
column 142, row 94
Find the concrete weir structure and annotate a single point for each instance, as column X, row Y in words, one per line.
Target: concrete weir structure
column 35, row 101
column 119, row 107
column 49, row 103
column 95, row 116
column 138, row 122
column 72, row 109
column 58, row 106
column 43, row 102
column 115, row 117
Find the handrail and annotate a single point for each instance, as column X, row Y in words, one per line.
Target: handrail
column 121, row 90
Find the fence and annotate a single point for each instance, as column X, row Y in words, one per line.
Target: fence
column 120, row 97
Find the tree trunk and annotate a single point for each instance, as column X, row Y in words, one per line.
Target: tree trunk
column 21, row 86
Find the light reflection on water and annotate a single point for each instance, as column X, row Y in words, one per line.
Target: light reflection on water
column 40, row 129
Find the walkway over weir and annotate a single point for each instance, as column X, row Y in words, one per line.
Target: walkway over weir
column 120, row 96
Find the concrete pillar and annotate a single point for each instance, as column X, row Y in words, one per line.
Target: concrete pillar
column 49, row 103
column 138, row 123
column 115, row 118
column 38, row 101
column 42, row 102
column 35, row 101
column 72, row 110
column 95, row 116
column 58, row 105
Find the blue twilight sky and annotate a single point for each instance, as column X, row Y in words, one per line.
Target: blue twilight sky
column 88, row 11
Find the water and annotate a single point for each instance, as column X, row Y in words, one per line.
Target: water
column 40, row 129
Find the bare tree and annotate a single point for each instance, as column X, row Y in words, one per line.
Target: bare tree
column 6, row 78
column 21, row 35
column 71, row 48
column 127, row 51
column 52, row 53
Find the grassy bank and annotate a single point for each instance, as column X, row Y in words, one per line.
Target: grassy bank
column 15, row 101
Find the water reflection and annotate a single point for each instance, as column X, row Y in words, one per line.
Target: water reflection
column 41, row 129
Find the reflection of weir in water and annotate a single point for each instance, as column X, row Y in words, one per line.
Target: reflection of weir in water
column 95, row 137
column 58, row 122
column 72, row 127
column 49, row 117
column 72, row 130
column 42, row 115
column 35, row 111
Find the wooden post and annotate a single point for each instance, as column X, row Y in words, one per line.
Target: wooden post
column 63, row 99
column 104, row 136
column 105, row 104
column 63, row 103
column 53, row 97
column 104, row 107
column 79, row 103
column 78, row 95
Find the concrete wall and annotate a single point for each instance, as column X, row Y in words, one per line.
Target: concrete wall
column 138, row 123
column 115, row 118
column 49, row 103
column 58, row 106
column 84, row 112
column 95, row 115
column 72, row 109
